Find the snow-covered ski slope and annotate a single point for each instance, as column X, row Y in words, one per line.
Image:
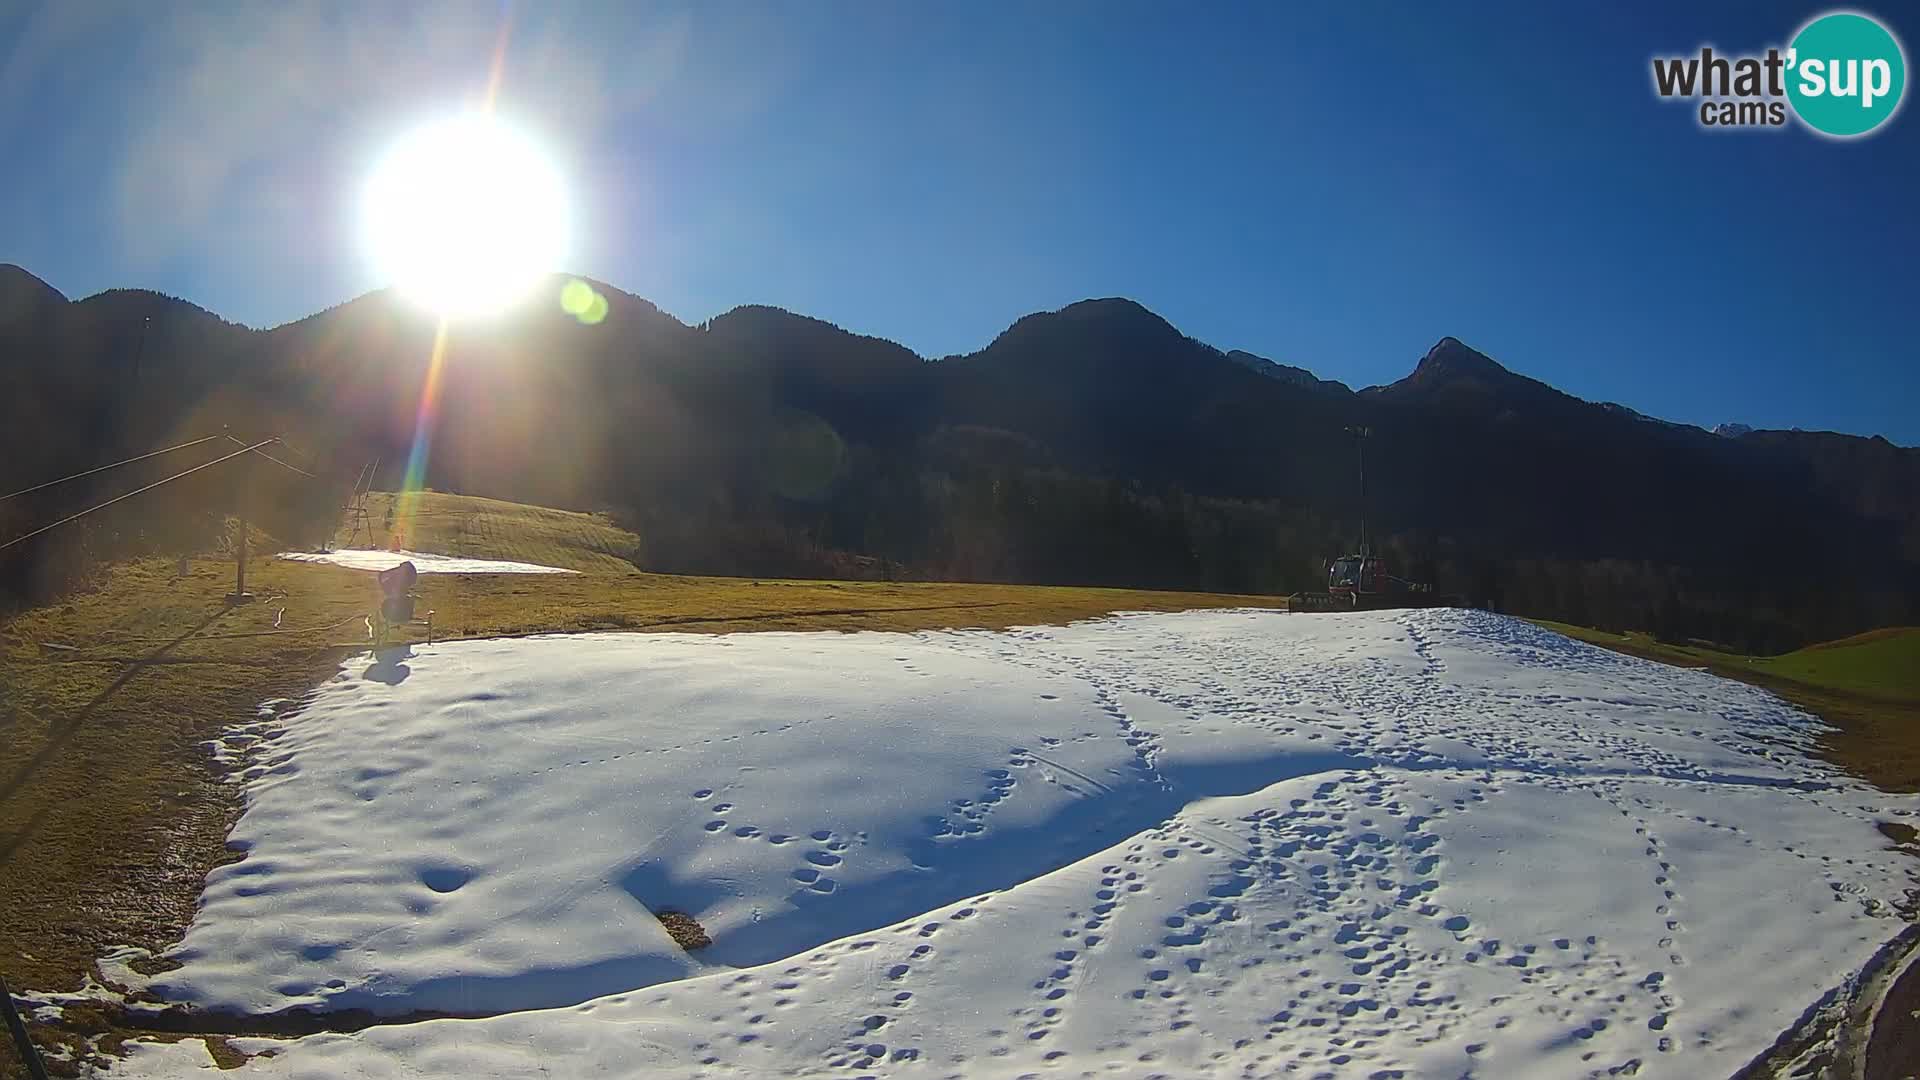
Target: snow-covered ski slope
column 424, row 562
column 1429, row 843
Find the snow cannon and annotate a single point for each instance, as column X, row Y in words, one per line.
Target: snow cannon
column 396, row 591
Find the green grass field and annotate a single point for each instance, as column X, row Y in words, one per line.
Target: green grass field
column 1866, row 686
column 1879, row 663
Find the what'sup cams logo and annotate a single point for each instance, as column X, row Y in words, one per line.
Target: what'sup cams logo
column 1843, row 76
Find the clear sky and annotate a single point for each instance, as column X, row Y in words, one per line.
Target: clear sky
column 1335, row 187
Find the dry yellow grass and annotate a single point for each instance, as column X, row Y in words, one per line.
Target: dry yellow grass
column 479, row 528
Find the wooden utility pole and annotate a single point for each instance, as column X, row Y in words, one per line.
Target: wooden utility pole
column 240, row 595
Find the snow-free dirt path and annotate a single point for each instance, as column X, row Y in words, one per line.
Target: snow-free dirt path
column 1432, row 843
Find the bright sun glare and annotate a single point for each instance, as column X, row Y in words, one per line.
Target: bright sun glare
column 465, row 216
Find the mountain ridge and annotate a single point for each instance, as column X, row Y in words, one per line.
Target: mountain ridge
column 1449, row 360
column 1291, row 373
column 1093, row 444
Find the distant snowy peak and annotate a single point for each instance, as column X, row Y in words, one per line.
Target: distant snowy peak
column 1287, row 373
column 1732, row 431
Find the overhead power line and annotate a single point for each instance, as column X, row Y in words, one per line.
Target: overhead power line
column 270, row 457
column 136, row 491
column 104, row 468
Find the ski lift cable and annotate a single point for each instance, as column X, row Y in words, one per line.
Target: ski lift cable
column 271, row 458
column 136, row 491
column 104, row 468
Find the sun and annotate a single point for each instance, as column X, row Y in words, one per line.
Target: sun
column 465, row 215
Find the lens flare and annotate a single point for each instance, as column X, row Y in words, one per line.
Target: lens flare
column 415, row 479
column 575, row 297
column 583, row 302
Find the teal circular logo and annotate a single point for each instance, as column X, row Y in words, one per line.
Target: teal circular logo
column 1845, row 74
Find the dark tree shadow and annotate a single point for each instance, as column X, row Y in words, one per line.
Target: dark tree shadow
column 63, row 731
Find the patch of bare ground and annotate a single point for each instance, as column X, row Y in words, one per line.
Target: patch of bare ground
column 684, row 931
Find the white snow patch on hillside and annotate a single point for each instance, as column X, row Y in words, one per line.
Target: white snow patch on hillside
column 368, row 559
column 1208, row 844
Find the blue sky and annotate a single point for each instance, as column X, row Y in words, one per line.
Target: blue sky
column 1336, row 187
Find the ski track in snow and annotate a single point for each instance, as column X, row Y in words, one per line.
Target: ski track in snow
column 1430, row 843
